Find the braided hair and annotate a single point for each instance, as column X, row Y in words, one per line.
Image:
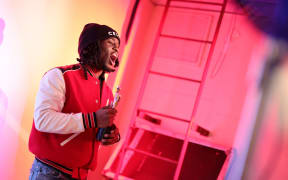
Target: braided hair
column 90, row 56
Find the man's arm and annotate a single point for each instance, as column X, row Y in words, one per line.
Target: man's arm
column 50, row 100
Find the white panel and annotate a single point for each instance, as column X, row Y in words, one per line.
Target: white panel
column 181, row 58
column 169, row 96
column 187, row 23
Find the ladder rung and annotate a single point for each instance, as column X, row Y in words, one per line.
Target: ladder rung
column 186, row 39
column 200, row 2
column 163, row 115
column 197, row 9
column 175, row 77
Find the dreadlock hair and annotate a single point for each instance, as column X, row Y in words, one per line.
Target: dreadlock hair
column 91, row 56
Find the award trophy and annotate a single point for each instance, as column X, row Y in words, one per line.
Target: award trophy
column 102, row 131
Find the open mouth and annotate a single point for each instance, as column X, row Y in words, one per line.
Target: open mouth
column 113, row 58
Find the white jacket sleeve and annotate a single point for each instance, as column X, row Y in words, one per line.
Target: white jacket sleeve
column 50, row 100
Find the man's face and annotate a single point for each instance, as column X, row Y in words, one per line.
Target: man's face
column 109, row 54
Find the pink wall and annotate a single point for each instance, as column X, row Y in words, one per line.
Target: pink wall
column 222, row 99
column 35, row 41
column 239, row 48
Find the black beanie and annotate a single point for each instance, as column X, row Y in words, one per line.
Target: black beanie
column 93, row 32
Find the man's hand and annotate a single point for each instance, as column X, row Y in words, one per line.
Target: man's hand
column 105, row 116
column 111, row 136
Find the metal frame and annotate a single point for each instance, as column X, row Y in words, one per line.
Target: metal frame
column 200, row 90
column 122, row 148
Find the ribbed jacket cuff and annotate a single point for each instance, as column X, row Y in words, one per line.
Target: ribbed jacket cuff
column 89, row 120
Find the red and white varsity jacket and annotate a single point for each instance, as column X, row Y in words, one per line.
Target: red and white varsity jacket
column 64, row 105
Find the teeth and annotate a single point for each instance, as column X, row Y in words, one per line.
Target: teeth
column 114, row 56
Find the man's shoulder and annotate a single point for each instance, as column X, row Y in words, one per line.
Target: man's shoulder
column 67, row 68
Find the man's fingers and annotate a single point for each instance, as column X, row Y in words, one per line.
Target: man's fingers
column 112, row 111
column 106, row 123
column 115, row 131
column 111, row 116
column 110, row 136
column 107, row 107
column 111, row 141
column 110, row 123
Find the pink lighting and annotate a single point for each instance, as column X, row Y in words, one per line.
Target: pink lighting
column 3, row 97
column 3, row 108
column 189, row 73
column 2, row 26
